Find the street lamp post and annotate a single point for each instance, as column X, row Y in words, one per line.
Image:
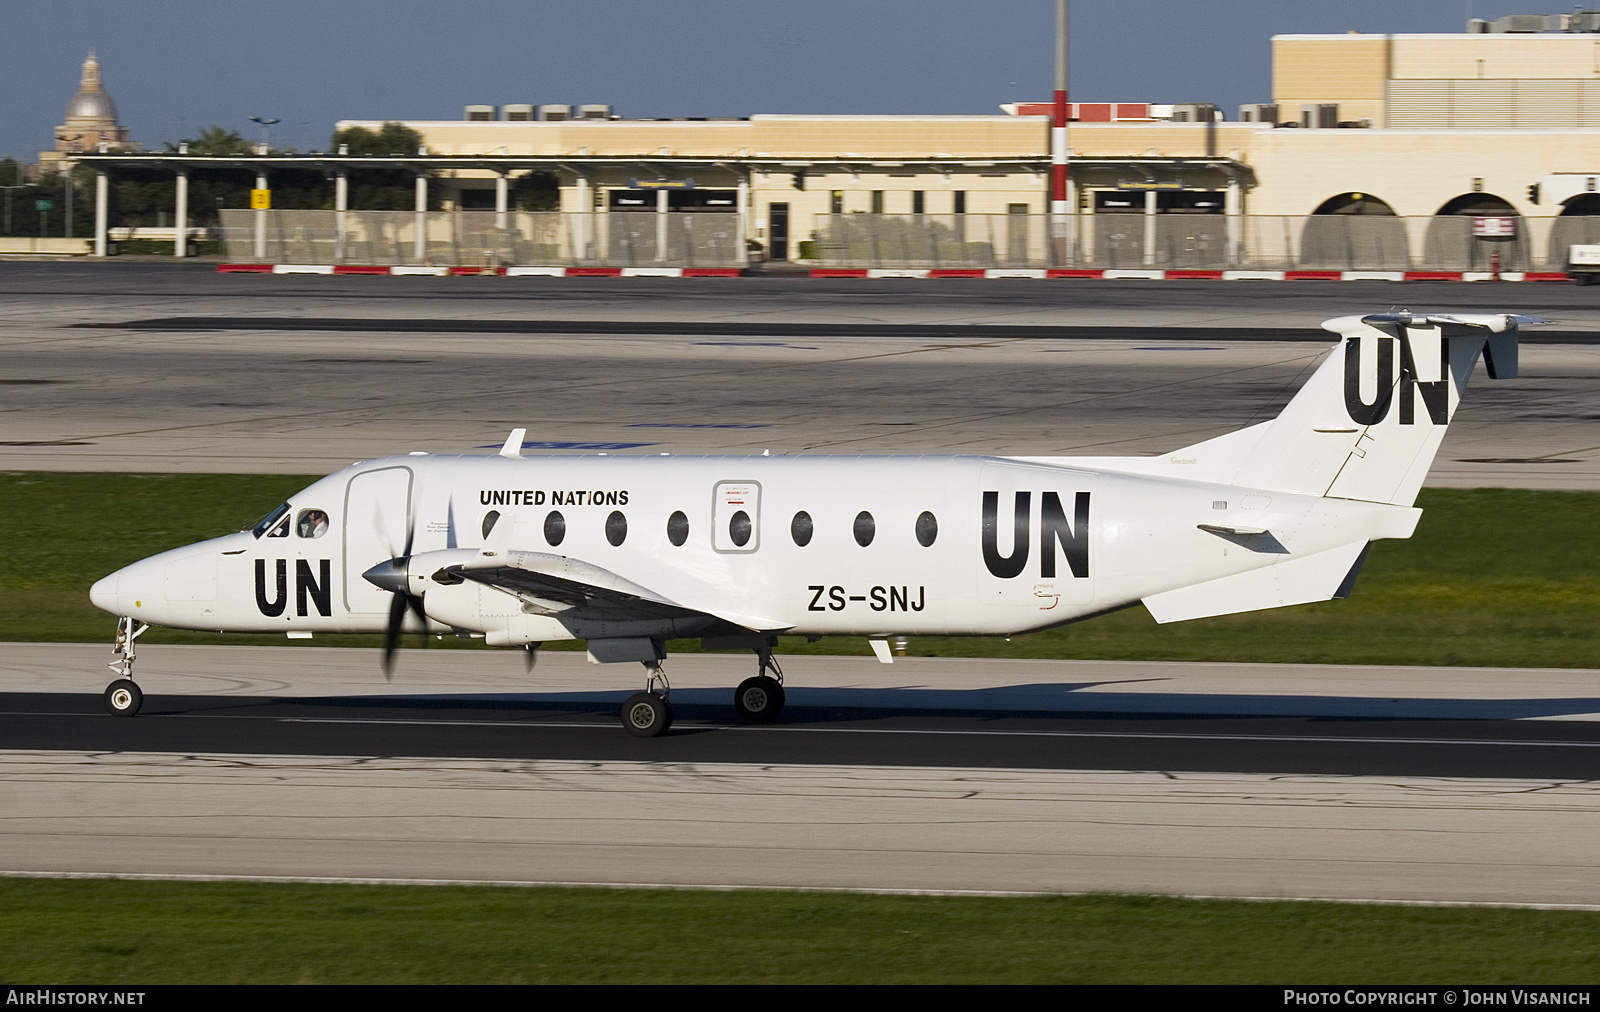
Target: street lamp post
column 266, row 124
column 66, row 182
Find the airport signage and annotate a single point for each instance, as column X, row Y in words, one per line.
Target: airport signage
column 44, row 205
column 1157, row 184
column 660, row 184
column 1494, row 228
column 261, row 200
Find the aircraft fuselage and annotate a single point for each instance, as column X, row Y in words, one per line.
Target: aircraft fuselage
column 813, row 545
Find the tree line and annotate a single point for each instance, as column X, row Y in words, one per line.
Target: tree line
column 145, row 197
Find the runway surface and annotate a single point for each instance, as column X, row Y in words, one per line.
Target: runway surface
column 269, row 376
column 1274, row 719
column 1353, row 782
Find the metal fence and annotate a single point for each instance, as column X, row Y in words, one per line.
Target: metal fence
column 1109, row 241
column 472, row 238
column 1192, row 241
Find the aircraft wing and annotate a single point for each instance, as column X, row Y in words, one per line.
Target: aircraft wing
column 557, row 584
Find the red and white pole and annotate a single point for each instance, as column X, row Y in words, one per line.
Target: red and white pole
column 1058, row 143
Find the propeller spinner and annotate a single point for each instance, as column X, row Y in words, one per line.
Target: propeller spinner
column 391, row 575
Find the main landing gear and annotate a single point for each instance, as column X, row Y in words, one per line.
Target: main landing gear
column 122, row 696
column 648, row 714
column 759, row 700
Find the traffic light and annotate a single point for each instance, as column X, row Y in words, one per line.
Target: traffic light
column 1533, row 193
column 798, row 180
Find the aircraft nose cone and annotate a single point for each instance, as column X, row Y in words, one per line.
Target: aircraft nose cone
column 389, row 575
column 104, row 593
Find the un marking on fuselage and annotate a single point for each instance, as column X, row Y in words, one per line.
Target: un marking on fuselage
column 308, row 588
column 1054, row 530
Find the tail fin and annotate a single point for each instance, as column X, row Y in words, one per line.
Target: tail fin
column 1367, row 424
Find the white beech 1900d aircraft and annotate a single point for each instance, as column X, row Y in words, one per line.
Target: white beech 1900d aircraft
column 628, row 552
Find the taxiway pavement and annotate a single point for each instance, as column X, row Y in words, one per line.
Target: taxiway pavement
column 91, row 384
column 172, row 814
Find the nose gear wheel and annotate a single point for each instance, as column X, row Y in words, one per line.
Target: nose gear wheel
column 122, row 697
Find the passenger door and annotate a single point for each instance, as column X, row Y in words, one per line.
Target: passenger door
column 377, row 520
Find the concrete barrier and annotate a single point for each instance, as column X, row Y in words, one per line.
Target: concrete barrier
column 68, row 247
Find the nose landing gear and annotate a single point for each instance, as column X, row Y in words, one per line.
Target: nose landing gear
column 122, row 696
column 759, row 700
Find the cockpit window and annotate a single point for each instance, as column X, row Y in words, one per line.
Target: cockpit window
column 312, row 524
column 268, row 522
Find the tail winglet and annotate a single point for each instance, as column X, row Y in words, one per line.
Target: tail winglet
column 1500, row 348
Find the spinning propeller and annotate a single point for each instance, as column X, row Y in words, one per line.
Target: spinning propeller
column 393, row 575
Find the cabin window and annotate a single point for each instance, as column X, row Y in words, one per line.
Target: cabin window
column 616, row 528
column 555, row 528
column 311, row 523
column 677, row 528
column 489, row 520
column 865, row 527
column 800, row 528
column 739, row 528
column 927, row 529
column 270, row 522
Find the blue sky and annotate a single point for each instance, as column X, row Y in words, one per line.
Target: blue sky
column 174, row 66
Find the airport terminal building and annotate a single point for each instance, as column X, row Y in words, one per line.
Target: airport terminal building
column 1377, row 152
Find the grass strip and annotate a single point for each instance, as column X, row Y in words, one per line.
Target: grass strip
column 1493, row 577
column 137, row 932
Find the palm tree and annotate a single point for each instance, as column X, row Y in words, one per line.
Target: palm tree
column 214, row 140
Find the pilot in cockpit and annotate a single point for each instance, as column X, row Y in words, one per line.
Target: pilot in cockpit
column 313, row 524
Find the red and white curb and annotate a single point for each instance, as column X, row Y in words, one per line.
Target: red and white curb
column 865, row 272
column 509, row 272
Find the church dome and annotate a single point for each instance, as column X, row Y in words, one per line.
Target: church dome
column 91, row 101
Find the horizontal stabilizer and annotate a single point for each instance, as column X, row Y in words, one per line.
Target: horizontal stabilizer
column 1319, row 577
